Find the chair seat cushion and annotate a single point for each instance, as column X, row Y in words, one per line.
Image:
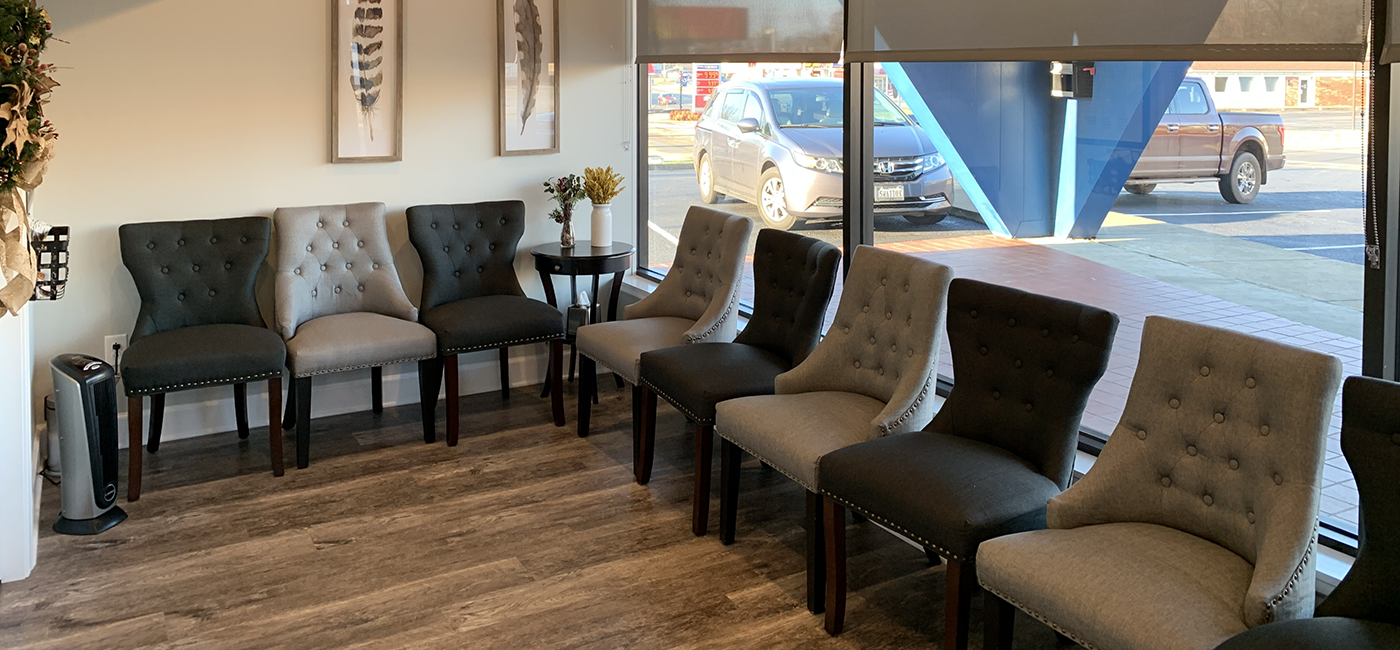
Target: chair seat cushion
column 357, row 340
column 1121, row 586
column 618, row 345
column 204, row 355
column 945, row 492
column 793, row 432
column 1325, row 633
column 694, row 378
column 491, row 322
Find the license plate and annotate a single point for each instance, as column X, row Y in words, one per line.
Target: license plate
column 885, row 193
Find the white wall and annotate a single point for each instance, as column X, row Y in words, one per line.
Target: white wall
column 197, row 109
column 19, row 480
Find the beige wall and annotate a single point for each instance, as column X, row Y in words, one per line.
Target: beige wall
column 196, row 109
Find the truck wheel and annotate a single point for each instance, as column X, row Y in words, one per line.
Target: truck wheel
column 927, row 218
column 705, row 177
column 772, row 201
column 1241, row 185
column 1140, row 189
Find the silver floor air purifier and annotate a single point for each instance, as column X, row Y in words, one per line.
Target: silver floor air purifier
column 85, row 400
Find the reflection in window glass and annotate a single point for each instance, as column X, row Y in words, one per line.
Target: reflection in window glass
column 1207, row 229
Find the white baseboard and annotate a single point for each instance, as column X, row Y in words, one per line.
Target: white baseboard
column 208, row 411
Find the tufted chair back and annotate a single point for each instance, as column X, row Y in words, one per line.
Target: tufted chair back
column 192, row 273
column 793, row 280
column 1025, row 365
column 703, row 283
column 468, row 249
column 1371, row 443
column 335, row 259
column 884, row 340
column 1222, row 437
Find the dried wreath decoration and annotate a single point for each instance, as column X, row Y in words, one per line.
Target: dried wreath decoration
column 28, row 145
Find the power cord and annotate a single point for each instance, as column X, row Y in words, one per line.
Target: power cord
column 117, row 358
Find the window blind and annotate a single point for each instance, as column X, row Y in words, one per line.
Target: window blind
column 712, row 31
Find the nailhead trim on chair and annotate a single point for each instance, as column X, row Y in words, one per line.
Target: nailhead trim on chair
column 886, row 428
column 493, row 346
column 1038, row 617
column 769, row 463
column 1292, row 580
column 363, row 366
column 718, row 323
column 211, row 382
column 693, row 417
column 889, row 524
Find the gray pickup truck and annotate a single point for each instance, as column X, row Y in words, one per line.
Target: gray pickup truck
column 1194, row 143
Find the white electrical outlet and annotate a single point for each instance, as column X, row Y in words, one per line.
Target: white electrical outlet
column 108, row 354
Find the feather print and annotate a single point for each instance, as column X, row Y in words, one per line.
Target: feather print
column 365, row 77
column 530, row 46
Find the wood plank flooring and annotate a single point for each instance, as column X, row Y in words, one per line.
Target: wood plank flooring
column 523, row 536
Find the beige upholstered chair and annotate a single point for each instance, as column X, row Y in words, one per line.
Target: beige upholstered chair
column 1199, row 519
column 341, row 306
column 697, row 302
column 871, row 376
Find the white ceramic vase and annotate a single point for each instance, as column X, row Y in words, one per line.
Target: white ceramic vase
column 602, row 235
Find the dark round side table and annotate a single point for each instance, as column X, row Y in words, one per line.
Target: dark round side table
column 583, row 259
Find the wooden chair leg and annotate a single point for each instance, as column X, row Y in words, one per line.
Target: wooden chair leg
column 835, row 524
column 376, row 389
column 556, row 379
column 429, row 374
column 303, row 391
column 505, row 372
column 636, row 429
column 240, row 409
column 157, row 422
column 957, row 605
column 998, row 624
column 449, row 369
column 700, row 503
column 934, row 559
column 816, row 554
column 289, row 417
column 274, row 430
column 133, row 428
column 647, row 438
column 729, row 457
column 587, row 386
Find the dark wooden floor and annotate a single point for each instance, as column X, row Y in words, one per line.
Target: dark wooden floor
column 522, row 537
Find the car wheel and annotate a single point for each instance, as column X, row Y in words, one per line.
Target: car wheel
column 1140, row 189
column 1241, row 185
column 705, row 177
column 927, row 218
column 772, row 201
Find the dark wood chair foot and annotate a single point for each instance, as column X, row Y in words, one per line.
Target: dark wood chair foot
column 816, row 554
column 636, row 429
column 934, row 559
column 505, row 372
column 999, row 618
column 133, row 429
column 157, row 422
column 556, row 379
column 647, row 452
column 834, row 520
column 274, row 431
column 429, row 382
column 454, row 402
column 957, row 606
column 700, row 503
column 729, row 457
column 303, row 391
column 587, row 387
column 376, row 389
column 289, row 415
column 240, row 409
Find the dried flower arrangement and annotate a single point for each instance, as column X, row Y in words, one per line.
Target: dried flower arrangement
column 601, row 185
column 567, row 191
column 28, row 145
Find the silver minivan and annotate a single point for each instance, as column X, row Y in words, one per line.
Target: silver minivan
column 777, row 144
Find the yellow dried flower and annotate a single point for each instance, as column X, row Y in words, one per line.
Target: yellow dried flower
column 602, row 185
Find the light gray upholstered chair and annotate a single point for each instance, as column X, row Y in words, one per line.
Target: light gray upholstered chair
column 341, row 306
column 697, row 302
column 1199, row 519
column 872, row 375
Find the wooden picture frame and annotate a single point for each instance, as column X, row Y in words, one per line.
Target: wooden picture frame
column 366, row 66
column 529, row 119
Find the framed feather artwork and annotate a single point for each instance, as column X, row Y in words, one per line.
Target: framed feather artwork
column 367, row 87
column 528, row 42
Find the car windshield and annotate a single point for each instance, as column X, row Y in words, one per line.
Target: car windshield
column 817, row 108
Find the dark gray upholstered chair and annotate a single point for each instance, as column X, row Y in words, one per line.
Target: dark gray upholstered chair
column 341, row 306
column 697, row 302
column 472, row 298
column 1199, row 519
column 199, row 323
column 1362, row 612
column 870, row 377
column 999, row 448
column 793, row 280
